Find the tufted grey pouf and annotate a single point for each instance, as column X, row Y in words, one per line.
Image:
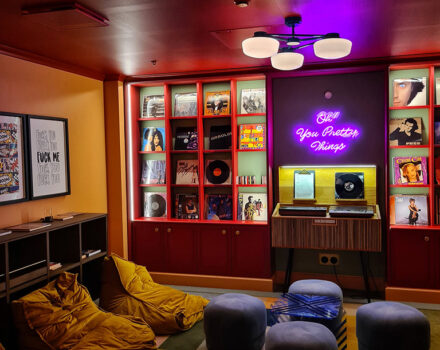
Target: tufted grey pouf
column 324, row 288
column 235, row 321
column 300, row 335
column 390, row 325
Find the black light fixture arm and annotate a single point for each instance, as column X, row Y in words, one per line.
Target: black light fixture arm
column 286, row 37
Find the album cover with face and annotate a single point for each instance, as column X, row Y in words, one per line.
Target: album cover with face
column 219, row 207
column 410, row 171
column 153, row 139
column 187, row 172
column 187, row 206
column 218, row 172
column 409, row 92
column 153, row 172
column 253, row 101
column 252, row 206
column 349, row 185
column 409, row 210
column 153, row 106
column 405, row 131
column 155, row 204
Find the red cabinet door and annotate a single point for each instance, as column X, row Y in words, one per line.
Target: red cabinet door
column 251, row 251
column 147, row 245
column 411, row 263
column 214, row 250
column 181, row 247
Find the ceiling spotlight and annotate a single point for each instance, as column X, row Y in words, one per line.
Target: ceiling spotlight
column 241, row 3
column 262, row 45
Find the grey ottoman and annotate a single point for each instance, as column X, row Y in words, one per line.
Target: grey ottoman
column 235, row 321
column 390, row 325
column 300, row 335
column 323, row 288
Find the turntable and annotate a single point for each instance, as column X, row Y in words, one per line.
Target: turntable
column 351, row 211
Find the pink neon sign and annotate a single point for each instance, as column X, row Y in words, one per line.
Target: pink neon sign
column 325, row 136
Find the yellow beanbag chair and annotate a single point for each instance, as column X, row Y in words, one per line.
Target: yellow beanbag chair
column 62, row 315
column 128, row 289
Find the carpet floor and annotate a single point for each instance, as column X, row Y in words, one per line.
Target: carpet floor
column 193, row 339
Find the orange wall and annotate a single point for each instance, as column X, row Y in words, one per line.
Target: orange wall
column 30, row 88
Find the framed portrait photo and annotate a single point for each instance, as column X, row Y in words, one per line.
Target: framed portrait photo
column 13, row 159
column 48, row 157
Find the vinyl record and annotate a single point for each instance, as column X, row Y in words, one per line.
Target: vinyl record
column 349, row 185
column 156, row 206
column 217, row 172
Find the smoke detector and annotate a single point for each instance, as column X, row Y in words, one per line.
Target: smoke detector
column 242, row 3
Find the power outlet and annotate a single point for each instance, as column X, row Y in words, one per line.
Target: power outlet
column 329, row 259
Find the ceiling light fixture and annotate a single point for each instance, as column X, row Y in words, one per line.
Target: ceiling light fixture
column 263, row 45
column 241, row 3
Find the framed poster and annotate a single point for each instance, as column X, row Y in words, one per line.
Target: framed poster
column 13, row 159
column 49, row 157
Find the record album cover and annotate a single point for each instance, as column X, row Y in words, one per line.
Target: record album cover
column 220, row 137
column 219, row 207
column 153, row 106
column 155, row 204
column 349, row 185
column 437, row 91
column 406, row 131
column 252, row 136
column 437, row 133
column 187, row 206
column 187, row 172
column 186, row 138
column 409, row 92
column 185, row 104
column 253, row 101
column 217, row 103
column 410, row 170
column 218, row 172
column 153, row 139
column 153, row 172
column 253, row 206
column 409, row 210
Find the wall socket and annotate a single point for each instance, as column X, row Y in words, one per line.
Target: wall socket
column 329, row 259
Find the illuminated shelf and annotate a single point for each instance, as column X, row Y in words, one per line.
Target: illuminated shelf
column 149, row 119
column 411, row 146
column 251, row 115
column 421, row 186
column 189, row 117
column 176, row 151
column 152, row 185
column 150, row 152
column 409, row 107
column 216, row 116
column 252, row 150
column 217, row 150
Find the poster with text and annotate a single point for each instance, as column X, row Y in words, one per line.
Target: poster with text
column 49, row 157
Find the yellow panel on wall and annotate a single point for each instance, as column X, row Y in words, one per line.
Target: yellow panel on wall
column 325, row 182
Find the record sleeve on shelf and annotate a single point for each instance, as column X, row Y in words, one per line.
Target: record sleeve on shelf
column 253, row 101
column 153, row 172
column 186, row 138
column 218, row 172
column 153, row 106
column 252, row 206
column 219, row 207
column 252, row 136
column 410, row 171
column 187, row 206
column 155, row 204
column 437, row 91
column 153, row 139
column 349, row 185
column 187, row 172
column 220, row 137
column 437, row 133
column 217, row 103
column 409, row 92
column 405, row 131
column 185, row 104
column 409, row 210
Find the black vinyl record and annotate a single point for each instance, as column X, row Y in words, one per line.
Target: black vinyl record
column 217, row 172
column 349, row 185
column 156, row 206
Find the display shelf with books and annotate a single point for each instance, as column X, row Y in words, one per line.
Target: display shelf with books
column 205, row 139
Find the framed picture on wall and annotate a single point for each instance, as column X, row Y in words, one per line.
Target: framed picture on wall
column 13, row 159
column 49, row 157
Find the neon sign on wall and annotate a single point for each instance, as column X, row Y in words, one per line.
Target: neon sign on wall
column 325, row 136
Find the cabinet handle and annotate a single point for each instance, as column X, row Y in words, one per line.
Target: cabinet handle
column 156, row 229
column 426, row 238
column 169, row 229
column 223, row 232
column 237, row 233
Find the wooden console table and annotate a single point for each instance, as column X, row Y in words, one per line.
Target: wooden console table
column 336, row 233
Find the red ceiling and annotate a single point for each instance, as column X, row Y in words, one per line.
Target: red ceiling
column 203, row 35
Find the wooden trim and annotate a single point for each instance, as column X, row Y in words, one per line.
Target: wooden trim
column 210, row 281
column 431, row 296
column 346, row 281
column 49, row 62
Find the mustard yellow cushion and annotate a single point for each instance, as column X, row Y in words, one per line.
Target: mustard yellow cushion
column 62, row 315
column 128, row 289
